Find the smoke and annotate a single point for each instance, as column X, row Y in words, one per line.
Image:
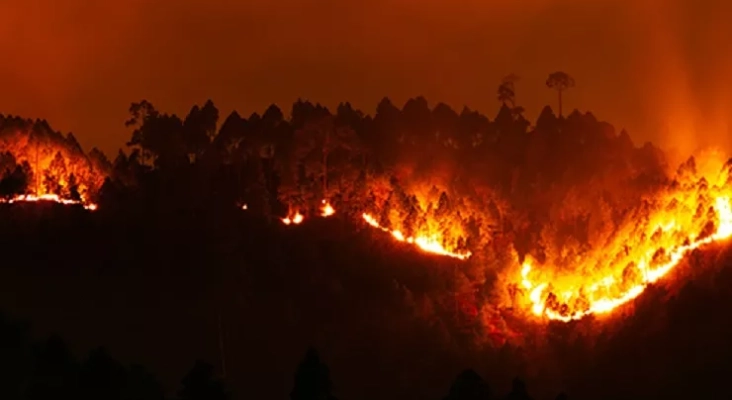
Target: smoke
column 660, row 69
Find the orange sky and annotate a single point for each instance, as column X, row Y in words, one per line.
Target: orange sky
column 637, row 63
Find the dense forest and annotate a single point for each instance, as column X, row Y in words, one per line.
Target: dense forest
column 188, row 234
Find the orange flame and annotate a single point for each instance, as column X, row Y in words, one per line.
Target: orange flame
column 428, row 244
column 295, row 219
column 327, row 210
column 644, row 252
column 48, row 197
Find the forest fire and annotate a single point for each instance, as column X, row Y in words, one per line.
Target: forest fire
column 295, row 219
column 326, row 210
column 430, row 244
column 595, row 218
column 652, row 242
column 52, row 198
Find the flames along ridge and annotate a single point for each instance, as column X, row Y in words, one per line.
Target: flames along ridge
column 692, row 215
column 668, row 236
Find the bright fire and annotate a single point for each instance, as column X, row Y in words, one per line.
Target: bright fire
column 430, row 244
column 295, row 219
column 48, row 198
column 326, row 210
column 694, row 213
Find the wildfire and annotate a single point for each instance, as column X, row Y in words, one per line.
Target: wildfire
column 641, row 253
column 430, row 244
column 48, row 198
column 295, row 219
column 326, row 210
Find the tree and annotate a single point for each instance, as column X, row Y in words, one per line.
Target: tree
column 469, row 386
column 141, row 385
column 312, row 379
column 314, row 144
column 507, row 90
column 200, row 384
column 139, row 114
column 16, row 357
column 231, row 133
column 101, row 377
column 54, row 373
column 518, row 391
column 15, row 181
column 51, row 183
column 559, row 81
column 199, row 128
column 72, row 187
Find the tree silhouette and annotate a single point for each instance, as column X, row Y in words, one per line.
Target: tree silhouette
column 101, row 377
column 200, row 384
column 16, row 358
column 312, row 379
column 140, row 113
column 54, row 373
column 507, row 90
column 518, row 391
column 73, row 188
column 559, row 81
column 141, row 385
column 469, row 386
column 15, row 181
column 199, row 128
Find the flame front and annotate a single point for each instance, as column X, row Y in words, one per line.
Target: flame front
column 430, row 244
column 642, row 252
column 48, row 197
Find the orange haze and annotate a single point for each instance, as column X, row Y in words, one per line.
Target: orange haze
column 643, row 64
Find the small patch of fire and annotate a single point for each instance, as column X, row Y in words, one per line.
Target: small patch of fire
column 326, row 210
column 295, row 219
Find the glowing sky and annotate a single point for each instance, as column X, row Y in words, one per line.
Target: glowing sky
column 637, row 63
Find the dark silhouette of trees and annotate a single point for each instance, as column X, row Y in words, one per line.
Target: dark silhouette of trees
column 518, row 391
column 469, row 386
column 73, row 188
column 201, row 384
column 140, row 114
column 497, row 185
column 312, row 379
column 559, row 81
column 54, row 373
column 15, row 181
column 101, row 377
column 16, row 358
column 30, row 370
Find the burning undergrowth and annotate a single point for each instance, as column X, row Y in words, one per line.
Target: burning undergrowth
column 558, row 222
column 40, row 164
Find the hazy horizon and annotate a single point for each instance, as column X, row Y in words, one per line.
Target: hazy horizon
column 659, row 72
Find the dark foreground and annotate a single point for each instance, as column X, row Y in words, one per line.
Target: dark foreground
column 164, row 287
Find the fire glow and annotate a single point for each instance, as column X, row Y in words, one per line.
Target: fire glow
column 689, row 217
column 49, row 197
column 428, row 244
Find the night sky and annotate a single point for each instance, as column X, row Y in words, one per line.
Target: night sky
column 641, row 64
